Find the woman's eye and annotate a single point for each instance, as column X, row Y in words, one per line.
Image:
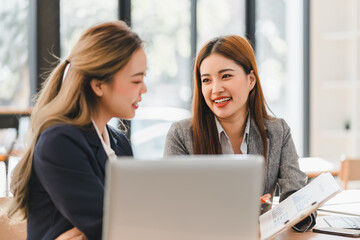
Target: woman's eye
column 227, row 75
column 205, row 80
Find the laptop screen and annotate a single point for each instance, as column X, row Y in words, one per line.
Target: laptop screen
column 183, row 197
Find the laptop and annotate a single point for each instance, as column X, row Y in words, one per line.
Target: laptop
column 183, row 197
column 344, row 216
column 350, row 222
column 338, row 225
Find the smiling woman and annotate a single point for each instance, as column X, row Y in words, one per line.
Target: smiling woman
column 61, row 175
column 223, row 83
column 229, row 116
column 121, row 98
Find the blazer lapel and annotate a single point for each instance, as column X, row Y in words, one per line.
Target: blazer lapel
column 120, row 146
column 255, row 146
column 97, row 148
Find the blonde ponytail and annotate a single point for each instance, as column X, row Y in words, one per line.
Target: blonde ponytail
column 22, row 172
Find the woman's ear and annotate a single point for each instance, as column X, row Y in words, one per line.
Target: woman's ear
column 252, row 79
column 96, row 86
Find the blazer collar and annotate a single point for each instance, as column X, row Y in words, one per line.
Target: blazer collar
column 118, row 144
column 255, row 145
column 96, row 146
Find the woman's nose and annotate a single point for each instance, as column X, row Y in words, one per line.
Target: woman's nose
column 217, row 86
column 144, row 89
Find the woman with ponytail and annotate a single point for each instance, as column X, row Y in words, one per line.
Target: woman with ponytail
column 58, row 186
column 229, row 116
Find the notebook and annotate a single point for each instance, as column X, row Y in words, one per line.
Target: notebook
column 184, row 197
column 347, row 202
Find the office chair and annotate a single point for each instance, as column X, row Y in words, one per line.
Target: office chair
column 349, row 171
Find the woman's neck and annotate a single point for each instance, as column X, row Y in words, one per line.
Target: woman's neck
column 234, row 128
column 100, row 123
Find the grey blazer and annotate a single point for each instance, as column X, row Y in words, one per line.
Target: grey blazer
column 281, row 165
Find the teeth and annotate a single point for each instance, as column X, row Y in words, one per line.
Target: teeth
column 222, row 100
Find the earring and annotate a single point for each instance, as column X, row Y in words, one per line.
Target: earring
column 100, row 93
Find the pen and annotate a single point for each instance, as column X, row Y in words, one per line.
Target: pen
column 266, row 198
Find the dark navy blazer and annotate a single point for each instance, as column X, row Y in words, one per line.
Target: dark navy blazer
column 66, row 187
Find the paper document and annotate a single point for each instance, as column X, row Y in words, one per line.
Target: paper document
column 346, row 202
column 298, row 206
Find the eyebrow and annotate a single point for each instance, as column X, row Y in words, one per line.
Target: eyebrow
column 138, row 74
column 221, row 71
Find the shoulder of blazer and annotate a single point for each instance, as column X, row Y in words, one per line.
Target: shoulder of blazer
column 183, row 124
column 183, row 130
column 276, row 127
column 59, row 133
column 63, row 129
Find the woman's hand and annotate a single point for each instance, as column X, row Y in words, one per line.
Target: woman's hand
column 72, row 234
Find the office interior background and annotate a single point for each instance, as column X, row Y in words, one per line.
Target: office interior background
column 308, row 55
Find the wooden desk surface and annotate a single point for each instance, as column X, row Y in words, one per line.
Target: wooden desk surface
column 18, row 231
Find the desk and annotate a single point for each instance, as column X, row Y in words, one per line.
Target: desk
column 344, row 197
column 313, row 167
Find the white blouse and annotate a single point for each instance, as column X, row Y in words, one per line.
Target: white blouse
column 225, row 141
column 105, row 141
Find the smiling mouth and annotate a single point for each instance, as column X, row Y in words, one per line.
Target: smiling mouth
column 222, row 100
column 135, row 105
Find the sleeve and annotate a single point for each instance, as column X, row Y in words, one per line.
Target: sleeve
column 64, row 169
column 175, row 141
column 291, row 178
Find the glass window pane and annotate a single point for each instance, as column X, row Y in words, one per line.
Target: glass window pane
column 77, row 16
column 165, row 27
column 14, row 60
column 216, row 18
column 280, row 61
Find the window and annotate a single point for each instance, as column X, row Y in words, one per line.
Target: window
column 14, row 77
column 77, row 16
column 216, row 18
column 165, row 28
column 279, row 56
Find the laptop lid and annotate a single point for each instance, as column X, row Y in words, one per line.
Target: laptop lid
column 183, row 197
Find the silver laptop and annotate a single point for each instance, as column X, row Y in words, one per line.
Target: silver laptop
column 182, row 198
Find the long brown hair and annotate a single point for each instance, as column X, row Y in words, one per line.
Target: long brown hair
column 99, row 54
column 205, row 135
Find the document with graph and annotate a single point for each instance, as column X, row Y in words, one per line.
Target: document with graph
column 298, row 206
